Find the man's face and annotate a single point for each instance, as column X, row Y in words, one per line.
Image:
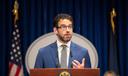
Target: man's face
column 64, row 30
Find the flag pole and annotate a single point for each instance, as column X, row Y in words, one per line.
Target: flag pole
column 113, row 51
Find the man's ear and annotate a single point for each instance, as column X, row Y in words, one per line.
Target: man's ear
column 55, row 30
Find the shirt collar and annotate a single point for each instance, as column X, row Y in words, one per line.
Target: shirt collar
column 59, row 44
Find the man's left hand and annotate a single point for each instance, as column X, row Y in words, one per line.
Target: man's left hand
column 77, row 65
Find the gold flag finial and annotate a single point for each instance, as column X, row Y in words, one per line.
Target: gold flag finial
column 15, row 11
column 113, row 14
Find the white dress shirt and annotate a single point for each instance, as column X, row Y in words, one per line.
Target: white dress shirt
column 60, row 49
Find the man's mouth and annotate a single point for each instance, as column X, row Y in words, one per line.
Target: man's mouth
column 67, row 34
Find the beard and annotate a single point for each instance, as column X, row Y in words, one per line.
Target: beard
column 65, row 38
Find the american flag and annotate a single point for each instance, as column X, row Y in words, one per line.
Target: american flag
column 15, row 61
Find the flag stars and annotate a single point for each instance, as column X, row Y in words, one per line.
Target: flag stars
column 17, row 30
column 16, row 55
column 14, row 50
column 18, row 35
column 15, row 38
column 17, row 47
column 13, row 45
column 17, row 60
column 15, row 26
column 19, row 53
column 12, row 57
column 14, row 33
column 16, row 42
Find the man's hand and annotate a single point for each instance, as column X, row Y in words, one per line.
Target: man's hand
column 77, row 65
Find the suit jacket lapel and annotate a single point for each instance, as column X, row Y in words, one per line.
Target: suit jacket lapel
column 71, row 55
column 54, row 54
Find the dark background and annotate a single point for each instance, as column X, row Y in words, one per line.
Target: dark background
column 91, row 20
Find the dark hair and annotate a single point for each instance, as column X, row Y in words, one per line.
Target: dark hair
column 61, row 16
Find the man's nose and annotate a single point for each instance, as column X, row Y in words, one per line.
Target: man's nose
column 68, row 29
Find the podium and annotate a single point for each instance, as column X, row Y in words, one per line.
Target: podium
column 64, row 72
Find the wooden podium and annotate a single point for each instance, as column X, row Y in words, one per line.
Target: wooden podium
column 64, row 72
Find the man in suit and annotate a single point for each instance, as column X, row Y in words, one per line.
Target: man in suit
column 63, row 53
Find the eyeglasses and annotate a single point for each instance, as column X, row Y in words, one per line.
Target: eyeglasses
column 64, row 27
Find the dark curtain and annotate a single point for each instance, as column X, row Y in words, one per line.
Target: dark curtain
column 91, row 20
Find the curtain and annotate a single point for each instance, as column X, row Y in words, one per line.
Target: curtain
column 91, row 20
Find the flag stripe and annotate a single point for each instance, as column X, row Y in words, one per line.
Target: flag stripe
column 18, row 71
column 13, row 70
column 21, row 72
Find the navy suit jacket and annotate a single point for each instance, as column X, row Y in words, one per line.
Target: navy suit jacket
column 48, row 56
